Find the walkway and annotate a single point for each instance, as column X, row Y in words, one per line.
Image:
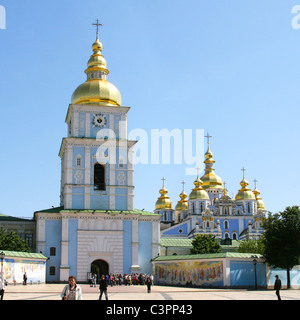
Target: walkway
column 52, row 292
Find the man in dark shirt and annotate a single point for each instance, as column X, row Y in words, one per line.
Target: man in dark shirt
column 103, row 287
column 277, row 286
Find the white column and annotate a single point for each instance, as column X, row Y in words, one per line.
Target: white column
column 155, row 238
column 226, row 272
column 75, row 124
column 40, row 235
column 64, row 260
column 68, row 165
column 87, row 178
column 135, row 245
column 87, row 124
column 130, row 178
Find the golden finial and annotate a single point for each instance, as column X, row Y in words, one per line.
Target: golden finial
column 183, row 183
column 97, row 24
column 208, row 136
column 243, row 169
column 255, row 183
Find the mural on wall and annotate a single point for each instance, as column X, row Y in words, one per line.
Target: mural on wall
column 14, row 270
column 209, row 273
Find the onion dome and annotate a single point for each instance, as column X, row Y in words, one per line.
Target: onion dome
column 245, row 193
column 163, row 202
column 182, row 204
column 198, row 192
column 260, row 203
column 210, row 179
column 96, row 89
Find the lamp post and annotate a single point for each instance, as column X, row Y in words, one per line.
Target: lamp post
column 2, row 256
column 255, row 262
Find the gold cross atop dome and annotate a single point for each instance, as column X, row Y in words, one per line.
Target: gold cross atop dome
column 208, row 136
column 97, row 24
column 243, row 169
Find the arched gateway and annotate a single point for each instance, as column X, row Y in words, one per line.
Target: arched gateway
column 99, row 267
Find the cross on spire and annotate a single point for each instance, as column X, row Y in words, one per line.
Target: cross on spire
column 97, row 24
column 197, row 168
column 255, row 183
column 183, row 183
column 243, row 169
column 163, row 180
column 208, row 136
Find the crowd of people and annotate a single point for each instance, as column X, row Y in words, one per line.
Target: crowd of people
column 123, row 279
column 73, row 292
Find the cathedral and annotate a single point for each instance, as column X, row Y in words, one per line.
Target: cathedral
column 96, row 227
column 209, row 209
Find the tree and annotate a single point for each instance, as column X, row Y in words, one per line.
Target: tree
column 12, row 242
column 282, row 239
column 251, row 246
column 203, row 243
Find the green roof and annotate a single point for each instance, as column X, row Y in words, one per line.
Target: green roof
column 208, row 256
column 175, row 242
column 4, row 217
column 52, row 210
column 184, row 242
column 20, row 254
column 135, row 211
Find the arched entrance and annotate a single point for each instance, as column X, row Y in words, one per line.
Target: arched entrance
column 99, row 267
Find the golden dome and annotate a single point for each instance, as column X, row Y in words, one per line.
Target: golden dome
column 244, row 193
column 96, row 89
column 210, row 179
column 198, row 192
column 260, row 203
column 163, row 202
column 182, row 204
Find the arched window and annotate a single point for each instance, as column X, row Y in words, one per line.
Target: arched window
column 201, row 207
column 52, row 271
column 99, row 177
column 249, row 208
column 226, row 224
column 52, row 251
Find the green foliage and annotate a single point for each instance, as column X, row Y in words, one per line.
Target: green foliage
column 12, row 242
column 251, row 246
column 205, row 244
column 282, row 239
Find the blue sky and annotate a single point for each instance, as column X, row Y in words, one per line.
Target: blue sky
column 229, row 67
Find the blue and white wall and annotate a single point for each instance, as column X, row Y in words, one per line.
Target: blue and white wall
column 73, row 240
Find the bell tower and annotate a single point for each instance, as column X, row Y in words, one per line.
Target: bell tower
column 96, row 157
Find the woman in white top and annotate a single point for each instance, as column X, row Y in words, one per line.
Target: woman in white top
column 71, row 291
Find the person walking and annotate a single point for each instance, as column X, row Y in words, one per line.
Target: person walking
column 24, row 278
column 148, row 283
column 2, row 286
column 103, row 287
column 277, row 287
column 72, row 291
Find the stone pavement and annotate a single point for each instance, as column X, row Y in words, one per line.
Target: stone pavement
column 132, row 293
